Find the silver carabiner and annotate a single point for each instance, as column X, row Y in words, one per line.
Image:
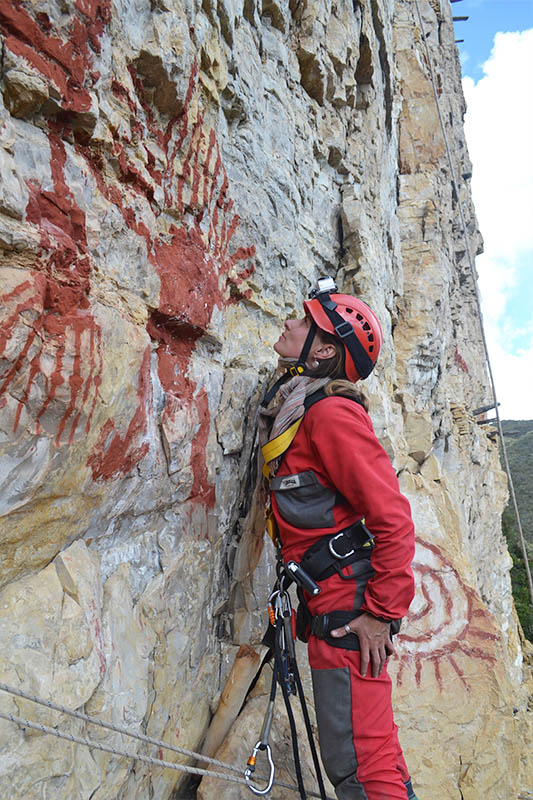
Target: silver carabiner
column 250, row 769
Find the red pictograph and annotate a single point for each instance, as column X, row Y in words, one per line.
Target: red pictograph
column 63, row 60
column 187, row 222
column 59, row 357
column 62, row 348
column 447, row 624
column 63, row 352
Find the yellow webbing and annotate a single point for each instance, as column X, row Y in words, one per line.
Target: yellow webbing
column 277, row 446
column 271, row 525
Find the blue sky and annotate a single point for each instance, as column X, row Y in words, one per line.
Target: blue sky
column 487, row 17
column 497, row 64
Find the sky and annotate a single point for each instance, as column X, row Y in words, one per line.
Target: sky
column 497, row 65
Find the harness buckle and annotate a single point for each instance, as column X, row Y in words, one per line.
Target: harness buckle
column 344, row 329
column 296, row 370
column 320, row 626
column 332, row 550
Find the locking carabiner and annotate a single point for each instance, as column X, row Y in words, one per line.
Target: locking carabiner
column 250, row 769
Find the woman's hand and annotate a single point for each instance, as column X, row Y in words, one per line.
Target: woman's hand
column 374, row 641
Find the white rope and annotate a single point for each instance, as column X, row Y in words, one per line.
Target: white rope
column 119, row 729
column 478, row 302
column 157, row 762
column 116, row 728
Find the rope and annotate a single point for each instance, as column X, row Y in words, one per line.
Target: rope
column 290, row 713
column 478, row 302
column 158, row 762
column 307, row 722
column 116, row 728
column 24, row 723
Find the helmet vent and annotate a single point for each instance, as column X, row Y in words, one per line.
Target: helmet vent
column 366, row 326
column 371, row 348
column 348, row 310
column 360, row 317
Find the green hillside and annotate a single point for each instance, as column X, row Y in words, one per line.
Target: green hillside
column 519, row 445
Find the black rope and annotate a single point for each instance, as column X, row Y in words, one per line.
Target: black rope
column 309, row 730
column 285, row 692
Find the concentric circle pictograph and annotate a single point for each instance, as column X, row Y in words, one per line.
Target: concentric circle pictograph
column 447, row 624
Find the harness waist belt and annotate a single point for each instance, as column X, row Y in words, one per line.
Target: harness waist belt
column 334, row 551
column 322, row 625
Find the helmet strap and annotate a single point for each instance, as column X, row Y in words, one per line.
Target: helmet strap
column 293, row 370
column 300, row 366
column 345, row 332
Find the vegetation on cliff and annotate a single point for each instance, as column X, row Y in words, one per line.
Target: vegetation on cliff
column 519, row 443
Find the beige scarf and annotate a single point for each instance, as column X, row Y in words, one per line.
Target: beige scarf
column 289, row 407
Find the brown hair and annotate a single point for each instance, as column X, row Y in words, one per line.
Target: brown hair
column 334, row 368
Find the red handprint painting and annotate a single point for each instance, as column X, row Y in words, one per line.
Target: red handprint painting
column 161, row 180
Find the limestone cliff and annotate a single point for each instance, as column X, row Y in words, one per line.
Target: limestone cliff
column 174, row 176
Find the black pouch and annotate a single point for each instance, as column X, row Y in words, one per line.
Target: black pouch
column 395, row 626
column 303, row 621
column 269, row 639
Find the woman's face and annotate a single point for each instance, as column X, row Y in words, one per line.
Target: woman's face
column 291, row 341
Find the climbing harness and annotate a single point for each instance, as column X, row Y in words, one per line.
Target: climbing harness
column 330, row 554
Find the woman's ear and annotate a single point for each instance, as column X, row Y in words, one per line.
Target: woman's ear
column 323, row 351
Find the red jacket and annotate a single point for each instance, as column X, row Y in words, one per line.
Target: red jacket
column 337, row 443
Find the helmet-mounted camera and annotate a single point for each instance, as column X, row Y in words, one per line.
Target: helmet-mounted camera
column 324, row 285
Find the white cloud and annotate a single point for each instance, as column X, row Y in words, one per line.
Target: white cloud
column 499, row 126
column 513, row 374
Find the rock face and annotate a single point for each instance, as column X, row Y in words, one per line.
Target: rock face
column 174, row 176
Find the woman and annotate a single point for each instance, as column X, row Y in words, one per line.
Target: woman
column 340, row 514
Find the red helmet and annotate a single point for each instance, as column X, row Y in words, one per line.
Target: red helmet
column 344, row 315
